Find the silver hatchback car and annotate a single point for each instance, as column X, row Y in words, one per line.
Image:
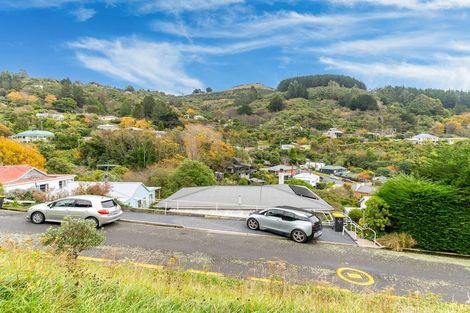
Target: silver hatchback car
column 100, row 210
column 297, row 224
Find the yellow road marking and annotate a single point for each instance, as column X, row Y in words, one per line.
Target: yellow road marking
column 354, row 276
column 205, row 272
column 263, row 280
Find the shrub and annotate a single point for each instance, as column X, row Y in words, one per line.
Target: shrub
column 355, row 215
column 377, row 214
column 100, row 189
column 397, row 241
column 437, row 216
column 191, row 174
column 73, row 237
column 2, row 190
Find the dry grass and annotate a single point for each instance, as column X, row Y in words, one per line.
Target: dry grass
column 33, row 281
column 397, row 241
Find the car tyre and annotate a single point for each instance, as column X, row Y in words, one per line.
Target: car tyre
column 252, row 224
column 94, row 220
column 37, row 218
column 299, row 236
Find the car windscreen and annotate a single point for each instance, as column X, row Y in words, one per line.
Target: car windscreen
column 108, row 204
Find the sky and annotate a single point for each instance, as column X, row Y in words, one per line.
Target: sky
column 177, row 46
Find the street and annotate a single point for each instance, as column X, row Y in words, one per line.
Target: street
column 346, row 266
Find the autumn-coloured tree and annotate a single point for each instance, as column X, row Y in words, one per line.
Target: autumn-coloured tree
column 50, row 99
column 144, row 124
column 127, row 121
column 15, row 96
column 15, row 153
column 205, row 144
column 5, row 131
column 32, row 99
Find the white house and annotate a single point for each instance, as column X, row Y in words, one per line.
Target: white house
column 422, row 138
column 132, row 194
column 32, row 136
column 315, row 165
column 312, row 179
column 160, row 133
column 333, row 133
column 54, row 116
column 109, row 127
column 25, row 177
column 287, row 146
column 108, row 118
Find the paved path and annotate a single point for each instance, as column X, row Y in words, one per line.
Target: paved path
column 224, row 225
column 269, row 256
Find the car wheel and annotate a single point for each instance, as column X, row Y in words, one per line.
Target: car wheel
column 38, row 218
column 94, row 220
column 299, row 236
column 252, row 224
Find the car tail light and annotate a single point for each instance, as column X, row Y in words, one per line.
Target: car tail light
column 103, row 212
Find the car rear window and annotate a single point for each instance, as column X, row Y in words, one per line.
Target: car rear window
column 82, row 204
column 108, row 203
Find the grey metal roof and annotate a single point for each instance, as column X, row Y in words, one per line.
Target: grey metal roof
column 241, row 197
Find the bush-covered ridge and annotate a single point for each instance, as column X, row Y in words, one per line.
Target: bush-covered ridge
column 322, row 80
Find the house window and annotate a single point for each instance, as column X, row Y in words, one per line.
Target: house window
column 43, row 187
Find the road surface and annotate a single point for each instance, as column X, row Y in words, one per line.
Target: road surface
column 241, row 255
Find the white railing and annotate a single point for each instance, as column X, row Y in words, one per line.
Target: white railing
column 355, row 228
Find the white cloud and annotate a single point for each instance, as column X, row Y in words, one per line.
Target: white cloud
column 176, row 6
column 411, row 4
column 150, row 65
column 83, row 14
column 446, row 72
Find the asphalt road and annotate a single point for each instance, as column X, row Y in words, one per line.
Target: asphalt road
column 244, row 256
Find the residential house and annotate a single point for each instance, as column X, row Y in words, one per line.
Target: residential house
column 422, row 138
column 247, row 198
column 199, row 117
column 287, row 170
column 134, row 129
column 309, row 178
column 333, row 169
column 108, row 118
column 33, row 136
column 54, row 116
column 287, row 146
column 25, row 177
column 363, row 189
column 236, row 166
column 333, row 133
column 313, row 165
column 108, row 127
column 132, row 194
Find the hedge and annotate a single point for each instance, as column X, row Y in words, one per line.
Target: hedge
column 437, row 216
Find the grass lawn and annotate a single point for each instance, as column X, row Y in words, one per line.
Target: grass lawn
column 34, row 281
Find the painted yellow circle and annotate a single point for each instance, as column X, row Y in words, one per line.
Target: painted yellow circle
column 354, row 276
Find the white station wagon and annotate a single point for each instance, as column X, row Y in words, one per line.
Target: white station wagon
column 100, row 210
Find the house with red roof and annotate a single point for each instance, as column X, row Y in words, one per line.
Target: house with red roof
column 25, row 177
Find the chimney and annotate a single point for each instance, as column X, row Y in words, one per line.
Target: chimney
column 281, row 177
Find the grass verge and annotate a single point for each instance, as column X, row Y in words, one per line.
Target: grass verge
column 34, row 281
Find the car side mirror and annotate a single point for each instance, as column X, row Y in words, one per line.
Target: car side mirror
column 51, row 205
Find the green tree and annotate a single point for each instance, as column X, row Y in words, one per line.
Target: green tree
column 164, row 115
column 191, row 174
column 296, row 90
column 377, row 215
column 424, row 105
column 276, row 104
column 245, row 109
column 59, row 165
column 364, row 102
column 65, row 88
column 73, row 236
column 125, row 109
column 65, row 105
column 138, row 111
column 148, row 104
